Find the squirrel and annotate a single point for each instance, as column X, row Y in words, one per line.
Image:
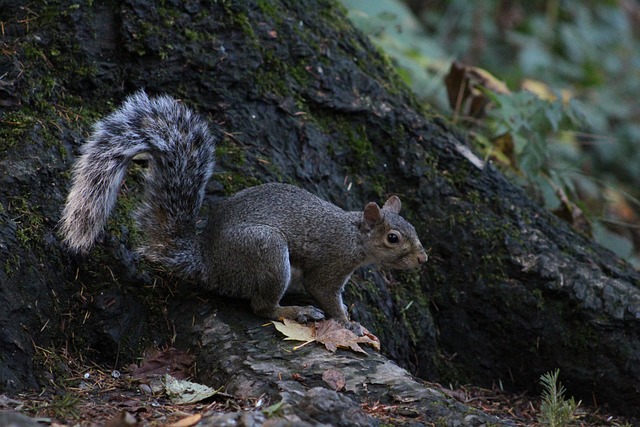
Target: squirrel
column 257, row 243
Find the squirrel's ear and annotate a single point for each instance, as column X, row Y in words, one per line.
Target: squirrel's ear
column 393, row 204
column 372, row 214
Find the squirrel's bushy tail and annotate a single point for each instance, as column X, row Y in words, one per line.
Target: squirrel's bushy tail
column 181, row 151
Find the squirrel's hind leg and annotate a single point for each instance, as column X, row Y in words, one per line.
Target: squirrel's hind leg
column 263, row 253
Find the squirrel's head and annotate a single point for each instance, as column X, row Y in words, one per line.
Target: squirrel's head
column 393, row 241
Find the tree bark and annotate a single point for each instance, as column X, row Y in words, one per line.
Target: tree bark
column 510, row 291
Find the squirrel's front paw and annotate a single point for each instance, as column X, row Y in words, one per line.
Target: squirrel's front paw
column 355, row 327
column 309, row 313
column 304, row 314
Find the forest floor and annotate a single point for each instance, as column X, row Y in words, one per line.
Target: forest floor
column 524, row 409
column 118, row 402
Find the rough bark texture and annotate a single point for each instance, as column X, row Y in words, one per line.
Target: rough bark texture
column 252, row 362
column 510, row 292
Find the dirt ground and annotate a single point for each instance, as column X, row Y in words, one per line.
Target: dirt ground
column 98, row 398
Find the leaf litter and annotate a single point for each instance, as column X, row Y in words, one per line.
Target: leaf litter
column 93, row 397
column 330, row 333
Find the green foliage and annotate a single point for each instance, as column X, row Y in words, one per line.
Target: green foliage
column 531, row 122
column 555, row 410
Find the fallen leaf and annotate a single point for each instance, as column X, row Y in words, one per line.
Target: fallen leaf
column 295, row 331
column 123, row 419
column 374, row 341
column 187, row 421
column 335, row 379
column 334, row 335
column 328, row 332
column 156, row 363
column 183, row 392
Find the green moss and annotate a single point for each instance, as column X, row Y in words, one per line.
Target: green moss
column 277, row 73
column 270, row 9
column 15, row 125
column 37, row 118
column 192, row 35
column 275, row 76
column 269, row 81
column 490, row 232
column 359, row 148
column 357, row 289
column 12, row 264
column 230, row 152
column 243, row 22
column 233, row 182
column 29, row 220
column 414, row 303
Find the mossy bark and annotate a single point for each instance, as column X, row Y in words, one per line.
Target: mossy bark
column 510, row 292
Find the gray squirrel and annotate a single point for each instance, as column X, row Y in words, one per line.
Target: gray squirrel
column 257, row 243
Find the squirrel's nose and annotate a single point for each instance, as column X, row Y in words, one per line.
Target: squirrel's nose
column 422, row 257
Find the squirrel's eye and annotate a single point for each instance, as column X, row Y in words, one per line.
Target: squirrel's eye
column 393, row 238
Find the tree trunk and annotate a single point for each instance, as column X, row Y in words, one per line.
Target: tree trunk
column 510, row 292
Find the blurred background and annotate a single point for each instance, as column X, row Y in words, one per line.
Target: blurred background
column 548, row 91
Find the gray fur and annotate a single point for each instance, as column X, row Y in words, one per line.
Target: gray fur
column 258, row 243
column 181, row 152
column 264, row 225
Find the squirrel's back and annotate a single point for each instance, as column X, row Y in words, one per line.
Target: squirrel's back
column 307, row 222
column 180, row 148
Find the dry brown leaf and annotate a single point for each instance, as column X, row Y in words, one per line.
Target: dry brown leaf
column 374, row 341
column 328, row 332
column 335, row 379
column 123, row 419
column 465, row 85
column 156, row 363
column 187, row 421
column 570, row 212
column 334, row 335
